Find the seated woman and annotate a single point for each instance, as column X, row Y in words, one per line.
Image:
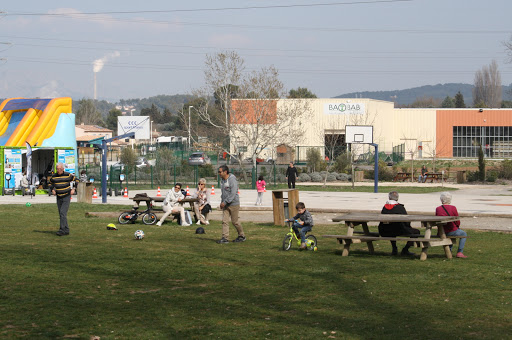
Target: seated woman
column 172, row 205
column 202, row 207
column 451, row 228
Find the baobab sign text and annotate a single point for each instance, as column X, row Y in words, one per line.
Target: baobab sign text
column 344, row 108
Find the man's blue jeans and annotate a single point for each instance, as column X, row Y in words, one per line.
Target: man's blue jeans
column 302, row 231
column 462, row 241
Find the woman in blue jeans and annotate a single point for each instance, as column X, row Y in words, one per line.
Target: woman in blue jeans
column 451, row 228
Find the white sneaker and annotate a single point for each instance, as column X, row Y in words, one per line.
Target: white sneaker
column 198, row 222
column 185, row 225
column 207, row 222
column 159, row 223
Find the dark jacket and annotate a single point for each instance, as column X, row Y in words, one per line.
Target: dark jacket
column 395, row 228
column 292, row 172
column 306, row 218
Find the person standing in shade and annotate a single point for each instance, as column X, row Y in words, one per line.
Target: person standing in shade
column 60, row 184
column 230, row 205
column 291, row 175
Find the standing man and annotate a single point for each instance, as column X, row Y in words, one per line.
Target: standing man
column 60, row 184
column 291, row 175
column 230, row 205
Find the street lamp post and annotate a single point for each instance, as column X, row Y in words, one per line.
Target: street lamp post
column 151, row 133
column 189, row 127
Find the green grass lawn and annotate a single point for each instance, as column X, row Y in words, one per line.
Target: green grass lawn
column 176, row 284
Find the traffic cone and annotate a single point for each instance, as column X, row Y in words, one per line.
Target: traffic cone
column 264, row 189
column 125, row 192
column 158, row 193
column 95, row 193
column 188, row 192
column 213, row 190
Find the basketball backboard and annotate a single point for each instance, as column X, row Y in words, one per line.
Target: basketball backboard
column 358, row 134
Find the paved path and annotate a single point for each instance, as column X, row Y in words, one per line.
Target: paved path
column 481, row 206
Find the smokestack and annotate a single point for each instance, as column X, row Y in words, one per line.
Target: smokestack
column 95, row 91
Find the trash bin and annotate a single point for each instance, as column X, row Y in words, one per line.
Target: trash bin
column 284, row 207
column 358, row 176
column 461, row 176
column 84, row 192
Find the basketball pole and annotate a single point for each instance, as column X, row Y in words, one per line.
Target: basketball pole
column 376, row 169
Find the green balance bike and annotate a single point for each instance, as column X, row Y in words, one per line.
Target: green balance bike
column 311, row 243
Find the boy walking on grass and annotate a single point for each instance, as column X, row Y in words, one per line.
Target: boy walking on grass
column 302, row 223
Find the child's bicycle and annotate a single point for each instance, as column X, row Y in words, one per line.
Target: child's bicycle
column 148, row 217
column 311, row 243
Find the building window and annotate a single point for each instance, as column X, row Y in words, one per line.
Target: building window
column 495, row 140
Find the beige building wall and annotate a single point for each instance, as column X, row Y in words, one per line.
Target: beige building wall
column 391, row 127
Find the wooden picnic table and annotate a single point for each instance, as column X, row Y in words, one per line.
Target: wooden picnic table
column 427, row 221
column 402, row 176
column 434, row 176
column 150, row 200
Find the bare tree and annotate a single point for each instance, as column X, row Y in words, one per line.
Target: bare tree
column 263, row 122
column 87, row 113
column 487, row 91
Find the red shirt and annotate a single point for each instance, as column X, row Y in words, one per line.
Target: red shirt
column 452, row 211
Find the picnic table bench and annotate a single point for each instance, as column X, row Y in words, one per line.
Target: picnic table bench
column 434, row 176
column 423, row 241
column 150, row 200
column 402, row 176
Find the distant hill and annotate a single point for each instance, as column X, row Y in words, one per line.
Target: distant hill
column 408, row 96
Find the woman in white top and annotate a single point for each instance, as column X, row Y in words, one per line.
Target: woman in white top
column 172, row 205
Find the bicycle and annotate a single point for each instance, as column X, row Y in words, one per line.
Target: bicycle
column 311, row 243
column 148, row 217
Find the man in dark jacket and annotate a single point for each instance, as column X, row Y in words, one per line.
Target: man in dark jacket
column 396, row 228
column 60, row 185
column 291, row 175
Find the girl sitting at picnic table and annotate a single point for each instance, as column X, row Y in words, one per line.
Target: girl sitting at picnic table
column 451, row 228
column 302, row 223
column 172, row 205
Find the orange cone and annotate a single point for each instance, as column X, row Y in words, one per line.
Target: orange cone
column 188, row 192
column 158, row 193
column 125, row 192
column 95, row 193
column 264, row 189
column 213, row 190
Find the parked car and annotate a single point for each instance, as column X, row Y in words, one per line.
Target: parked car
column 141, row 162
column 199, row 158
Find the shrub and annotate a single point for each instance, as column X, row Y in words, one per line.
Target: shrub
column 472, row 176
column 505, row 170
column 492, row 176
column 303, row 177
column 343, row 177
column 331, row 177
column 385, row 173
column 342, row 163
column 316, row 177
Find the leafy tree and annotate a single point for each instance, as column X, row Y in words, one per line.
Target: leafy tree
column 506, row 104
column 487, row 87
column 128, row 158
column 448, row 102
column 301, row 93
column 459, row 100
column 426, row 102
column 342, row 163
column 111, row 121
column 87, row 113
column 153, row 113
column 481, row 164
column 313, row 159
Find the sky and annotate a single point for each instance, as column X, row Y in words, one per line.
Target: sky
column 140, row 49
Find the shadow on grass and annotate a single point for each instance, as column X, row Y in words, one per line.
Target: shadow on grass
column 45, row 231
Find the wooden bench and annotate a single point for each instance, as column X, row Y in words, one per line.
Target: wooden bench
column 418, row 241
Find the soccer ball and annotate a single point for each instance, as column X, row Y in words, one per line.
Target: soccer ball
column 28, row 204
column 139, row 235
